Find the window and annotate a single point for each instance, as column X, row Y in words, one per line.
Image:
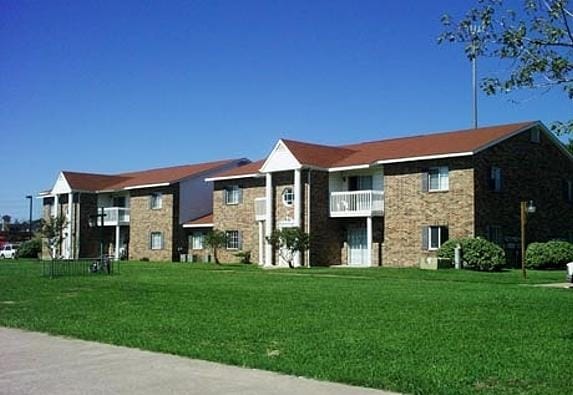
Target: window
column 118, row 201
column 156, row 201
column 197, row 241
column 232, row 194
column 156, row 242
column 568, row 190
column 535, row 136
column 359, row 183
column 288, row 196
column 233, row 240
column 438, row 178
column 495, row 235
column 433, row 237
column 495, row 179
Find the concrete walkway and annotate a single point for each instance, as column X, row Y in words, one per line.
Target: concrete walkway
column 36, row 363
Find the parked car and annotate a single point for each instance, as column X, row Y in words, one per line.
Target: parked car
column 8, row 251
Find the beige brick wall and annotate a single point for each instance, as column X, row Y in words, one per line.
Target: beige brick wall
column 145, row 220
column 408, row 209
column 239, row 217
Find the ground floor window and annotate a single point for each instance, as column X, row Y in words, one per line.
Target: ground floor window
column 495, row 235
column 196, row 240
column 156, row 240
column 434, row 236
column 232, row 239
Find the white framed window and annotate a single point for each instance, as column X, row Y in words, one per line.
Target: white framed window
column 438, row 179
column 156, row 241
column 359, row 183
column 197, row 240
column 535, row 136
column 233, row 242
column 156, row 201
column 288, row 196
column 495, row 179
column 232, row 194
column 434, row 237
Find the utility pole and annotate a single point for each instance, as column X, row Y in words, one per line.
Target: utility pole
column 474, row 30
column 30, row 223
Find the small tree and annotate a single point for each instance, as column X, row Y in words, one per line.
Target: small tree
column 52, row 232
column 215, row 240
column 288, row 242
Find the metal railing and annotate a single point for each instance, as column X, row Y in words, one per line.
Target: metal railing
column 80, row 267
column 356, row 203
column 116, row 216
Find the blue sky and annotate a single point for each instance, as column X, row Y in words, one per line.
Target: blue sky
column 112, row 86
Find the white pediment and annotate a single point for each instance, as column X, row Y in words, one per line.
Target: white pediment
column 61, row 185
column 280, row 159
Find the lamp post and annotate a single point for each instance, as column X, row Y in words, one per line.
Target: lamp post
column 526, row 208
column 30, row 223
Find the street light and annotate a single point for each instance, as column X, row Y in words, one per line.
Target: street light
column 30, row 223
column 526, row 208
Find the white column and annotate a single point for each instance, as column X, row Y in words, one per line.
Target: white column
column 261, row 243
column 297, row 209
column 369, row 240
column 269, row 219
column 69, row 239
column 56, row 214
column 117, row 245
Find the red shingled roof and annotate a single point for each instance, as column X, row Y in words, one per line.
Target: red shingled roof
column 246, row 170
column 206, row 220
column 99, row 182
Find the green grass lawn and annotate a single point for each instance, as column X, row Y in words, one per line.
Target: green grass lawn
column 444, row 332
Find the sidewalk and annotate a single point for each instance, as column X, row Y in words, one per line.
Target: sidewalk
column 36, row 363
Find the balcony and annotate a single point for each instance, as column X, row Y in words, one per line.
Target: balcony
column 357, row 204
column 116, row 216
column 260, row 209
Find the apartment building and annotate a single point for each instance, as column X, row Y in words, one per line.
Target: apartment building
column 136, row 215
column 394, row 202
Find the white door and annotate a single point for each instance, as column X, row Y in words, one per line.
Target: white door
column 357, row 246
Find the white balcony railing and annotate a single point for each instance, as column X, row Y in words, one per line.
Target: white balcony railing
column 260, row 209
column 357, row 204
column 116, row 216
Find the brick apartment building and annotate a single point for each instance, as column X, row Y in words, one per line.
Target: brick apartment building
column 144, row 211
column 394, row 202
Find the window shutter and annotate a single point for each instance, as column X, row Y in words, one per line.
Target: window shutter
column 161, row 238
column 151, row 240
column 500, row 180
column 425, row 238
column 240, row 236
column 491, row 179
column 240, row 195
column 566, row 194
column 425, row 180
column 445, row 235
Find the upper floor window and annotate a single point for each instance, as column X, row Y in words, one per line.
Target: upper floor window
column 156, row 241
column 438, row 178
column 232, row 194
column 535, row 136
column 288, row 196
column 433, row 237
column 568, row 190
column 233, row 241
column 359, row 183
column 495, row 179
column 119, row 201
column 156, row 201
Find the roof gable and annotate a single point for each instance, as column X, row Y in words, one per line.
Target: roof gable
column 280, row 158
column 61, row 185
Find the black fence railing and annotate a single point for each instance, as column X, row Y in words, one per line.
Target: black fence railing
column 80, row 267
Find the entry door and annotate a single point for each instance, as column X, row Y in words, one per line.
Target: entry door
column 357, row 246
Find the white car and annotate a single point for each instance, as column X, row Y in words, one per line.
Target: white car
column 8, row 251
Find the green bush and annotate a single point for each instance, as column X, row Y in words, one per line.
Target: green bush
column 30, row 249
column 477, row 254
column 551, row 255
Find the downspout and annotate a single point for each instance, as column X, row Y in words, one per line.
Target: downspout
column 307, row 224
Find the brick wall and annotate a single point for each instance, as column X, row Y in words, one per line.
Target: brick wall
column 530, row 171
column 239, row 217
column 145, row 220
column 408, row 209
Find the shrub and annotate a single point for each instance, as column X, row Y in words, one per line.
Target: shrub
column 144, row 259
column 477, row 254
column 30, row 249
column 244, row 256
column 551, row 255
